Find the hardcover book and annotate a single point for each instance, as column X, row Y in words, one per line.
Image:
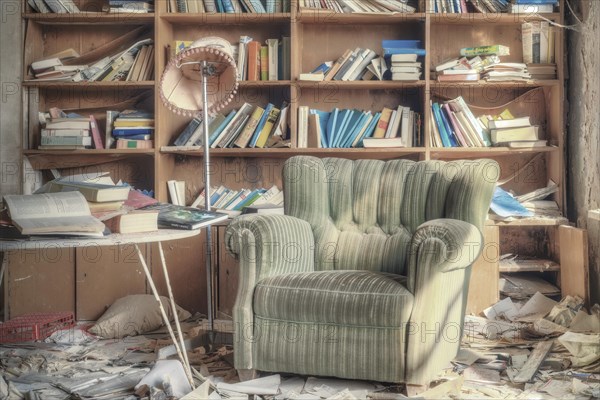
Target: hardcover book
column 180, row 217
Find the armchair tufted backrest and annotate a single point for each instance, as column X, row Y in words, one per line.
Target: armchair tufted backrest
column 363, row 213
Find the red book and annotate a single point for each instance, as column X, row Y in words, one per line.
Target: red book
column 95, row 133
column 254, row 61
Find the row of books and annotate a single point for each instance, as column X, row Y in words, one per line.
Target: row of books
column 233, row 202
column 134, row 64
column 346, row 128
column 248, row 126
column 538, row 39
column 455, row 125
column 230, row 6
column 53, row 6
column 491, row 6
column 362, row 6
column 398, row 62
column 268, row 62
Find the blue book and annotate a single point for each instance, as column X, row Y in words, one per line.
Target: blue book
column 248, row 198
column 350, row 127
column 261, row 124
column 370, row 129
column 401, row 44
column 222, row 126
column 389, row 51
column 219, row 4
column 355, row 128
column 449, row 129
column 438, row 121
column 228, row 6
column 258, row 6
column 536, row 2
column 119, row 132
column 139, row 137
column 505, row 205
column 340, row 126
column 330, row 127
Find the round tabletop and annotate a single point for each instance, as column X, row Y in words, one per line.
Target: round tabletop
column 39, row 242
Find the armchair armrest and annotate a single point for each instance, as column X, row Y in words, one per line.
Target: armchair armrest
column 441, row 254
column 266, row 245
column 442, row 245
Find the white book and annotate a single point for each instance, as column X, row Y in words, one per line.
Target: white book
column 405, row 126
column 390, row 132
column 273, row 48
column 368, row 56
column 171, row 185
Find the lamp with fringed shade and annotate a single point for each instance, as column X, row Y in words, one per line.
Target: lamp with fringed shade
column 199, row 82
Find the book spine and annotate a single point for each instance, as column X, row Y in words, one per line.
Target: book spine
column 382, row 125
column 484, row 51
column 273, row 55
column 95, row 133
column 66, row 140
column 264, row 63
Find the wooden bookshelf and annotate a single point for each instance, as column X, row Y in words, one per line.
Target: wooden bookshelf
column 316, row 36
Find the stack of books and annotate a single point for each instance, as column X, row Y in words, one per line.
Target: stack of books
column 233, row 202
column 136, row 63
column 53, row 6
column 248, row 126
column 129, row 6
column 230, row 6
column 454, row 125
column 362, row 7
column 401, row 58
column 513, row 132
column 464, row 69
column 264, row 62
column 506, row 72
column 133, row 129
column 532, row 6
column 346, row 128
column 66, row 133
column 542, row 71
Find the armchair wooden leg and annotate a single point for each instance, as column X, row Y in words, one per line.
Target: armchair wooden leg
column 247, row 374
column 415, row 390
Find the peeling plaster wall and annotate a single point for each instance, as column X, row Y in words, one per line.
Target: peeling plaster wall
column 10, row 96
column 583, row 142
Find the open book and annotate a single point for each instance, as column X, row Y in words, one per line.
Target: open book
column 64, row 213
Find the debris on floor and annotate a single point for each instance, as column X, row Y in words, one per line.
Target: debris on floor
column 517, row 349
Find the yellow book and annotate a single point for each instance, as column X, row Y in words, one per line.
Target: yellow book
column 268, row 127
column 126, row 123
column 382, row 125
column 246, row 135
column 264, row 63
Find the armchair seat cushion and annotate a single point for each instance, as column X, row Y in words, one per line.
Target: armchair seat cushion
column 350, row 298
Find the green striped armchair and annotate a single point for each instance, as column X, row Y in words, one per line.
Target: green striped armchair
column 366, row 275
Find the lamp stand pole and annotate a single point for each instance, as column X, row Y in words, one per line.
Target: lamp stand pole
column 207, row 71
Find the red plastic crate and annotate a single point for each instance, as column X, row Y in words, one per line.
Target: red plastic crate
column 30, row 327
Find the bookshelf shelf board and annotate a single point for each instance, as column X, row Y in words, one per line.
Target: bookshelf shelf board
column 380, row 85
column 462, row 152
column 90, row 85
column 258, row 84
column 508, row 84
column 381, row 153
column 489, row 18
column 541, row 221
column 321, row 17
column 90, row 152
column 226, row 18
column 91, row 18
column 537, row 265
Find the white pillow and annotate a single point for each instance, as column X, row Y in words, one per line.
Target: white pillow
column 133, row 315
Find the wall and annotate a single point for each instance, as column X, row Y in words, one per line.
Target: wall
column 10, row 92
column 583, row 145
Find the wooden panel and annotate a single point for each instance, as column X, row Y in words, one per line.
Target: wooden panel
column 105, row 274
column 40, row 281
column 228, row 276
column 483, row 287
column 574, row 269
column 185, row 261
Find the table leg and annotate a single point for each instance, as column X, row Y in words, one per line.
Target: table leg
column 163, row 312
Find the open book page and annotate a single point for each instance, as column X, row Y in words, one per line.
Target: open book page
column 63, row 225
column 47, row 205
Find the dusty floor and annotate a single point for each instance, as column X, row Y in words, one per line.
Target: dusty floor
column 520, row 357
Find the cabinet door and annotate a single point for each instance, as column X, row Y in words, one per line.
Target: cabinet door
column 483, row 287
column 574, row 271
column 105, row 274
column 39, row 281
column 228, row 274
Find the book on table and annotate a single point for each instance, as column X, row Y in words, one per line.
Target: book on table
column 63, row 213
column 92, row 191
column 181, row 217
column 134, row 222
